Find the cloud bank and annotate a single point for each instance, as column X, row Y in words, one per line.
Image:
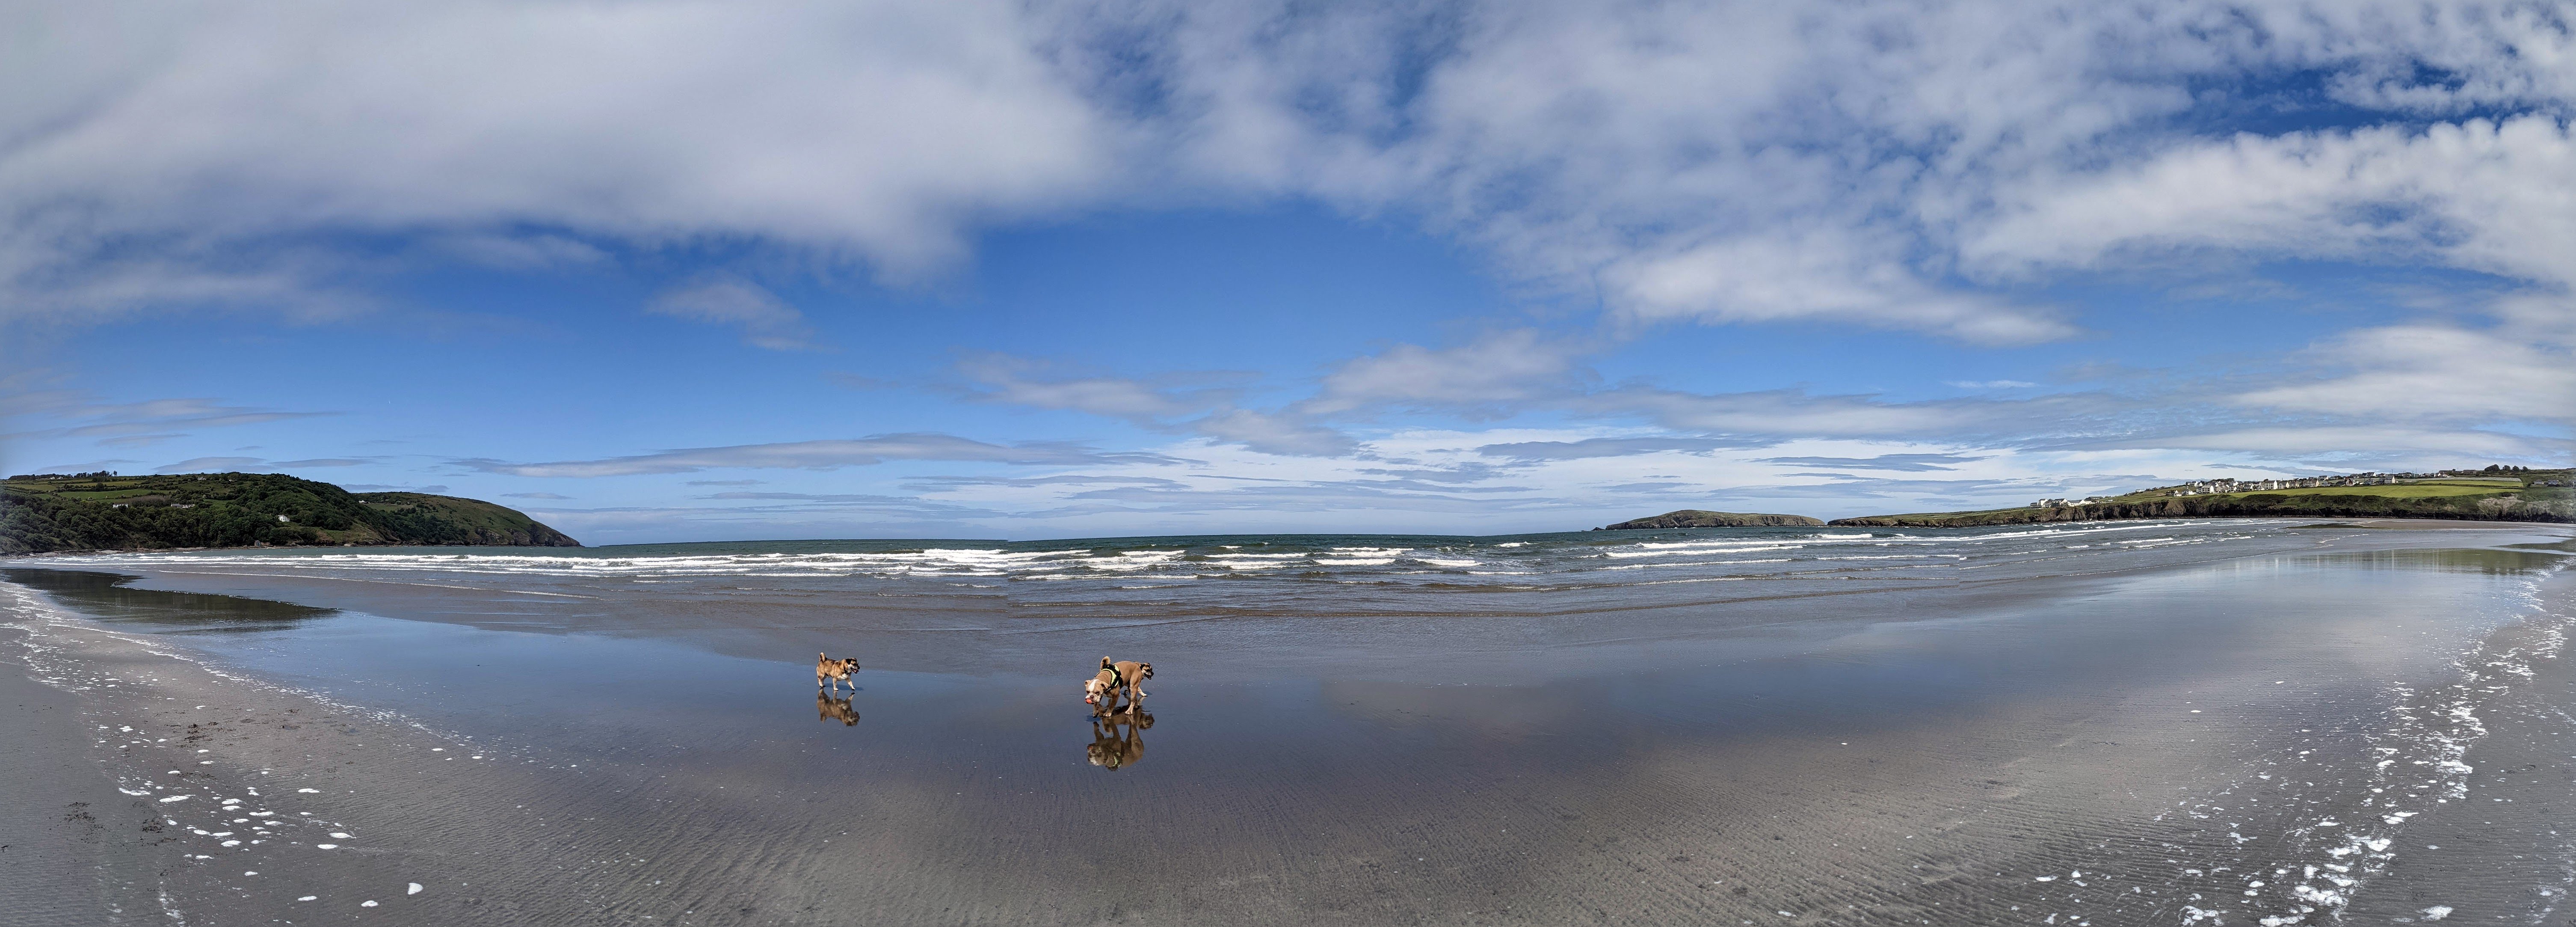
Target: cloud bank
column 1895, row 164
column 1930, row 168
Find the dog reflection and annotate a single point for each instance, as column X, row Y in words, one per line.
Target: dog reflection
column 1115, row 738
column 834, row 709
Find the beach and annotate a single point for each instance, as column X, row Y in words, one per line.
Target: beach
column 2116, row 723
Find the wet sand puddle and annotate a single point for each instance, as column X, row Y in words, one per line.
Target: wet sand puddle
column 2261, row 740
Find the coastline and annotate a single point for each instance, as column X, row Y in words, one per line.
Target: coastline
column 1922, row 770
column 2377, row 519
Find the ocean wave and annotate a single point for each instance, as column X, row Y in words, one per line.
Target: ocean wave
column 1558, row 562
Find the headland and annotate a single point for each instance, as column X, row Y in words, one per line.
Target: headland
column 47, row 513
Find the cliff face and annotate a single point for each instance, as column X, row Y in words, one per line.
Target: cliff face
column 2527, row 505
column 1694, row 518
column 421, row 518
column 244, row 510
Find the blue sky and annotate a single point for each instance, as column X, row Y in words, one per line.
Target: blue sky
column 682, row 271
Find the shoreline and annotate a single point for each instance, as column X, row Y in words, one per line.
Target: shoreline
column 2372, row 520
column 1794, row 777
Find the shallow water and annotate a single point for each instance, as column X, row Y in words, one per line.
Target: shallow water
column 2132, row 723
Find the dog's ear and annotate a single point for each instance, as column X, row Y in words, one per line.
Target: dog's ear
column 1104, row 663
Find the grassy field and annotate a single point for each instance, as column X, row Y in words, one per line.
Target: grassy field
column 109, row 489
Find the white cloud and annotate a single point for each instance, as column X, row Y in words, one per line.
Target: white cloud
column 124, row 424
column 1608, row 447
column 766, row 321
column 210, row 464
column 255, row 464
column 1815, row 277
column 810, row 455
column 1498, row 370
column 1893, row 164
column 2416, row 372
column 2494, row 197
column 1915, row 463
column 1020, row 381
column 1274, row 433
column 1183, row 409
column 1794, row 413
column 1883, row 163
column 875, row 130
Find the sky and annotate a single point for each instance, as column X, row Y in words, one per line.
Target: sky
column 678, row 271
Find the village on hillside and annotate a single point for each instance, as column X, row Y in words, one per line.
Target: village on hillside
column 2213, row 487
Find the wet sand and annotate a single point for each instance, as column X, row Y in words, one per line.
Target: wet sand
column 66, row 834
column 2103, row 749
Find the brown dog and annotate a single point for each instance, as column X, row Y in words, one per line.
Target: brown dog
column 1118, row 743
column 1115, row 676
column 835, row 709
column 828, row 671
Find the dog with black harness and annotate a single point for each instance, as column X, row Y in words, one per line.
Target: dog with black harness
column 1101, row 691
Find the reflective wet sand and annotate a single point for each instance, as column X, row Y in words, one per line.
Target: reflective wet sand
column 2280, row 734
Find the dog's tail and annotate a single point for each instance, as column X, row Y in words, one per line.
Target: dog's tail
column 1105, row 663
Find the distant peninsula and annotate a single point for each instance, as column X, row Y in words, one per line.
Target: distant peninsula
column 2496, row 493
column 1694, row 518
column 46, row 513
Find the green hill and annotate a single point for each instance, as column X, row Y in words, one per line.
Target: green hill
column 1695, row 518
column 2530, row 495
column 42, row 513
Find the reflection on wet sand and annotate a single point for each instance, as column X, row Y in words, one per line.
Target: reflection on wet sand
column 1115, row 737
column 835, row 709
column 2531, row 558
column 107, row 596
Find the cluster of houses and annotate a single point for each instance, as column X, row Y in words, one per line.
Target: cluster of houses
column 2208, row 487
column 2062, row 503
